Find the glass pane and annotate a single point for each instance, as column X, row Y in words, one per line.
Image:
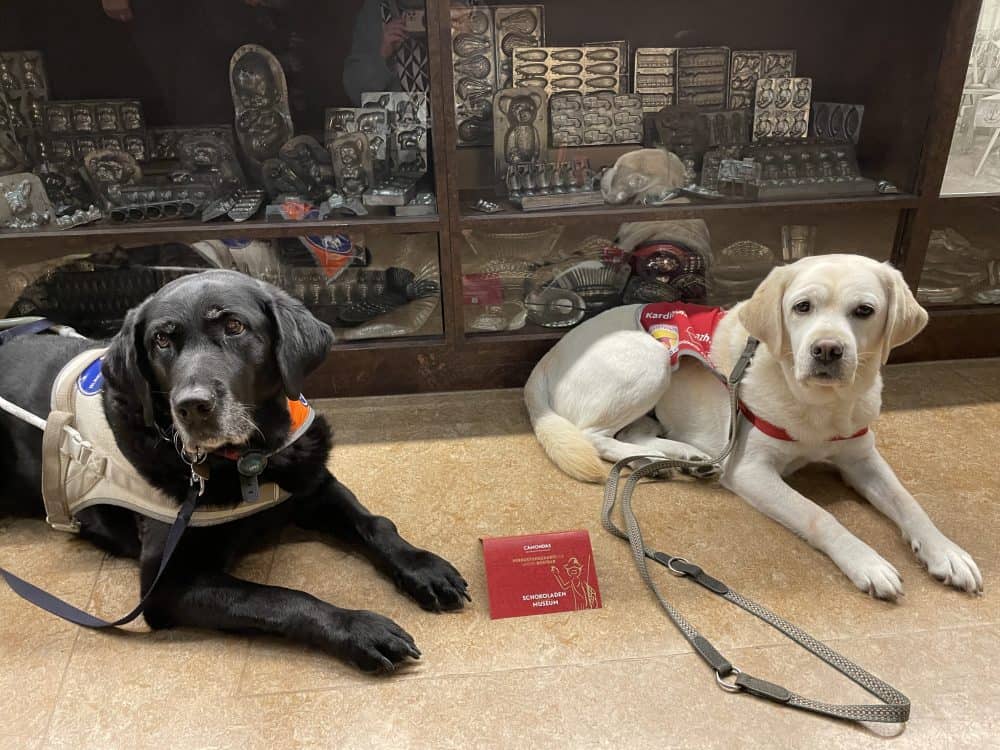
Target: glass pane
column 555, row 276
column 974, row 160
column 963, row 255
column 377, row 287
column 175, row 111
column 785, row 102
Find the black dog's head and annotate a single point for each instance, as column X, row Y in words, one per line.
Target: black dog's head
column 212, row 350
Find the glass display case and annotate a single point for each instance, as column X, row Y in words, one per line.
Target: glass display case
column 454, row 184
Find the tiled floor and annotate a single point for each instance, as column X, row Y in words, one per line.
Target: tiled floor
column 450, row 469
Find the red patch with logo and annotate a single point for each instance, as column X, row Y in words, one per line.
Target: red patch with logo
column 539, row 574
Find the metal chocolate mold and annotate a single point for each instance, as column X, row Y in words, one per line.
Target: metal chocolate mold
column 702, row 74
column 474, row 74
column 747, row 66
column 515, row 27
column 558, row 69
column 781, row 108
column 655, row 77
column 838, row 121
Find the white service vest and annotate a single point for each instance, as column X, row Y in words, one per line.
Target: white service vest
column 82, row 465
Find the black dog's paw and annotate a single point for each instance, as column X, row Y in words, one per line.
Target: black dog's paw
column 371, row 642
column 432, row 581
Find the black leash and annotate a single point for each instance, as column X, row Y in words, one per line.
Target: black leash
column 66, row 611
column 895, row 707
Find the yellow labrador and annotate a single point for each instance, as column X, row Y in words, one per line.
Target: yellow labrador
column 826, row 325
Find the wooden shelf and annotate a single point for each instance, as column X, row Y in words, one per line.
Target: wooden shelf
column 511, row 215
column 94, row 236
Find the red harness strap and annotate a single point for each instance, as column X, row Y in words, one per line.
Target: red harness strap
column 687, row 329
column 772, row 430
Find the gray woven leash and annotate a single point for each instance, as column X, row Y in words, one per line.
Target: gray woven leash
column 896, row 706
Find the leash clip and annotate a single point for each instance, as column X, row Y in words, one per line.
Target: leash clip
column 744, row 361
column 197, row 478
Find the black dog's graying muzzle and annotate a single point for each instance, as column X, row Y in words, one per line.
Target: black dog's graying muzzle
column 895, row 707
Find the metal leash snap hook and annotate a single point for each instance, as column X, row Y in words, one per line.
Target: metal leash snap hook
column 728, row 686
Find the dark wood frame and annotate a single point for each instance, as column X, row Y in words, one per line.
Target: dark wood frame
column 457, row 360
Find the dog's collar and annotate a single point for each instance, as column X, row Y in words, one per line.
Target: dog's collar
column 778, row 433
column 301, row 415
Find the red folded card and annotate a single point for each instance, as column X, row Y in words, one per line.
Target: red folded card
column 538, row 574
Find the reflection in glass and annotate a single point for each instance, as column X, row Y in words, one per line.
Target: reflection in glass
column 974, row 161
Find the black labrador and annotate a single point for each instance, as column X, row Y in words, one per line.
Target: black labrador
column 211, row 360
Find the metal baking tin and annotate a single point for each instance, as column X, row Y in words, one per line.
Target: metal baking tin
column 837, row 121
column 747, row 66
column 584, row 69
column 655, row 77
column 474, row 77
column 781, row 108
column 703, row 76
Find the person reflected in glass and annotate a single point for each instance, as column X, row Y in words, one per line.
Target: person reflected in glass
column 388, row 49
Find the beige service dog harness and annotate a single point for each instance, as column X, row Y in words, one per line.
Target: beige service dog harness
column 82, row 465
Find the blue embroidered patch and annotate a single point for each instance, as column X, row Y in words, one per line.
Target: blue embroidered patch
column 91, row 381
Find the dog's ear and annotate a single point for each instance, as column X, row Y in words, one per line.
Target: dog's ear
column 762, row 314
column 301, row 341
column 126, row 367
column 905, row 318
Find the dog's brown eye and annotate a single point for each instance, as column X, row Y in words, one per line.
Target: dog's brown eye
column 234, row 327
column 864, row 311
column 161, row 339
column 802, row 307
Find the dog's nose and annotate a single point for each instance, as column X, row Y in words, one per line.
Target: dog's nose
column 827, row 350
column 194, row 405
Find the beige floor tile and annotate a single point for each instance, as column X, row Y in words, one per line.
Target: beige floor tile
column 34, row 646
column 452, row 468
column 650, row 703
column 495, row 484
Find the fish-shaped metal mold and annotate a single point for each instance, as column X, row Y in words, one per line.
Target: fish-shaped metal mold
column 477, row 67
column 532, row 69
column 602, row 82
column 602, row 69
column 473, row 130
column 540, row 83
column 524, row 21
column 468, row 87
column 567, row 83
column 568, row 55
column 567, row 69
column 514, row 40
column 531, row 55
column 602, row 54
column 467, row 45
column 479, row 22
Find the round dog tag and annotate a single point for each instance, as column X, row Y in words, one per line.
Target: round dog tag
column 251, row 464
